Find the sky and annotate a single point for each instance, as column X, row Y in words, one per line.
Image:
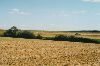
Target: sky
column 51, row 15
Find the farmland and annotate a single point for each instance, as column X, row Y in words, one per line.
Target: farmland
column 49, row 32
column 88, row 34
column 35, row 52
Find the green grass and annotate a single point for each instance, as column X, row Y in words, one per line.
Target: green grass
column 2, row 32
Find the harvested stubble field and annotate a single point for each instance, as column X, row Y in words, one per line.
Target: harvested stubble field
column 33, row 52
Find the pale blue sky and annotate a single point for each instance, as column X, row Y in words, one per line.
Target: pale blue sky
column 50, row 14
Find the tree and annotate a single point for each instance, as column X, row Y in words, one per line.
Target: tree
column 11, row 32
column 16, row 33
column 26, row 34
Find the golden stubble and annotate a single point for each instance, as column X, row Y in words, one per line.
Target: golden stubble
column 33, row 52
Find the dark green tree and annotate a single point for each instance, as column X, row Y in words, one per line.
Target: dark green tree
column 26, row 34
column 11, row 32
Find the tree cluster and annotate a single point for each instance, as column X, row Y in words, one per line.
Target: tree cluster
column 16, row 33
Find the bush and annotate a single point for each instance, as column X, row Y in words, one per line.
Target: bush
column 39, row 36
column 60, row 37
column 75, row 39
column 77, row 34
column 25, row 34
column 48, row 38
column 19, row 34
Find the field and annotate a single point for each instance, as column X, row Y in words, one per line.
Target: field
column 93, row 35
column 88, row 34
column 34, row 52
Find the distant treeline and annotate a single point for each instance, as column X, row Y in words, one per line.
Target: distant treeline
column 92, row 31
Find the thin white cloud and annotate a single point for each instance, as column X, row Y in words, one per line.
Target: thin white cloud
column 92, row 1
column 80, row 12
column 18, row 12
column 15, row 9
column 61, row 14
column 71, row 13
